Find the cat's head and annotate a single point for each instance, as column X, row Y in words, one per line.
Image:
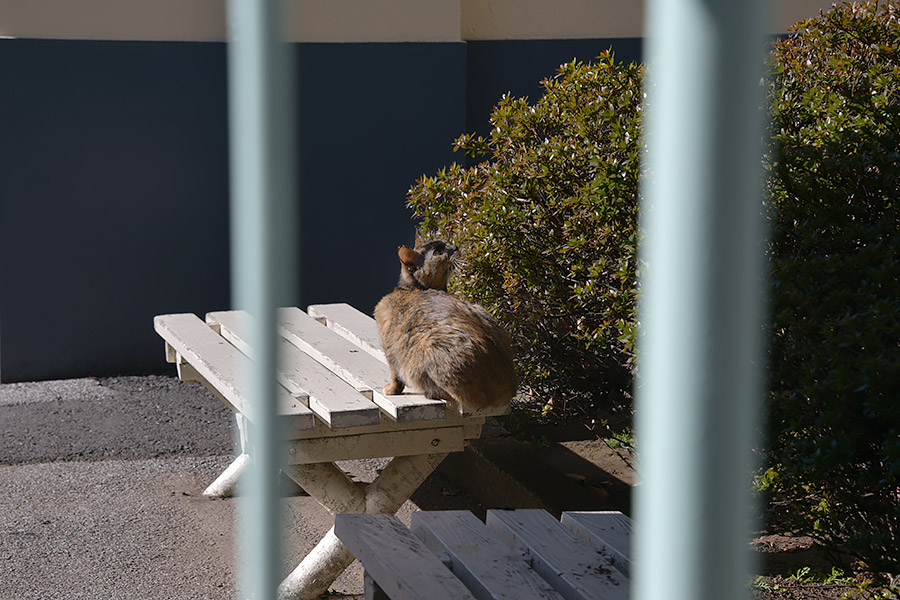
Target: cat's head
column 428, row 265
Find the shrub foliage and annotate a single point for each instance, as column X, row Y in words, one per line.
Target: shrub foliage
column 548, row 223
column 833, row 189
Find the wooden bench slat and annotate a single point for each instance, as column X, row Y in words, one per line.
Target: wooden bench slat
column 352, row 324
column 398, row 561
column 608, row 532
column 483, row 563
column 375, row 445
column 471, row 428
column 362, row 370
column 334, row 400
column 220, row 364
column 361, row 330
column 578, row 573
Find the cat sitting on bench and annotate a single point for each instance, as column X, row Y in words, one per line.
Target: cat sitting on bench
column 446, row 347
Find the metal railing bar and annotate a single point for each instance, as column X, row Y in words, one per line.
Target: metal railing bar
column 698, row 387
column 264, row 258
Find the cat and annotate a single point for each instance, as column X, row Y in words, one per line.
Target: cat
column 446, row 347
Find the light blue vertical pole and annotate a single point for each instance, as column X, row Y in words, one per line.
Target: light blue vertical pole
column 263, row 226
column 699, row 382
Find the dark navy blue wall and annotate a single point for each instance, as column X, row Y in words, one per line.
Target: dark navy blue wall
column 114, row 179
column 113, row 162
column 373, row 118
column 497, row 67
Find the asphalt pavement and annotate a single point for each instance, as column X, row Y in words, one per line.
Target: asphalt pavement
column 101, row 485
column 101, row 494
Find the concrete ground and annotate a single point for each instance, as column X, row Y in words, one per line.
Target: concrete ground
column 101, row 490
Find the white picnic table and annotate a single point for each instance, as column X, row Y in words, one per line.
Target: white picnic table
column 331, row 408
column 514, row 555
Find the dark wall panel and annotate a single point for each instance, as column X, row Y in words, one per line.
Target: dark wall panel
column 496, row 67
column 113, row 168
column 114, row 187
column 114, row 179
column 373, row 118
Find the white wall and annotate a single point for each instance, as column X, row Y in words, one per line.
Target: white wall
column 351, row 20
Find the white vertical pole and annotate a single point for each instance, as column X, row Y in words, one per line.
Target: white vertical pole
column 698, row 389
column 263, row 225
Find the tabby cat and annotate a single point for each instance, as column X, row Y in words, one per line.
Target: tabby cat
column 446, row 347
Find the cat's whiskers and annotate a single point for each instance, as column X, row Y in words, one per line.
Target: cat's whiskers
column 456, row 262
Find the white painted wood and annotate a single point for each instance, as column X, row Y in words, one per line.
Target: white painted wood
column 352, row 324
column 317, row 572
column 171, row 355
column 577, row 572
column 397, row 482
column 418, row 435
column 471, row 427
column 488, row 567
column 186, row 372
column 371, row 591
column 243, row 434
column 329, row 485
column 398, row 562
column 220, row 364
column 360, row 369
column 225, row 484
column 338, row 403
column 372, row 445
column 607, row 532
column 333, row 400
column 488, row 411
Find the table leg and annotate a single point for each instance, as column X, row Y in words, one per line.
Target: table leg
column 226, row 483
column 396, row 483
column 329, row 485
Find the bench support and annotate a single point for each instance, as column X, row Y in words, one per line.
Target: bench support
column 225, row 484
column 396, row 483
column 330, row 405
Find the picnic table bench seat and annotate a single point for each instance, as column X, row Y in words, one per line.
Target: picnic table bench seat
column 330, row 406
column 514, row 555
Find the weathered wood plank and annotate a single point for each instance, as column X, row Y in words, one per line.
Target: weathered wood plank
column 487, row 566
column 577, row 572
column 329, row 485
column 220, row 364
column 400, row 563
column 352, row 324
column 361, row 330
column 386, row 494
column 607, row 532
column 471, row 427
column 372, row 445
column 334, row 400
column 360, row 369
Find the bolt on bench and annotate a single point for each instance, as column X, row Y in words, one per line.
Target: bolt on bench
column 331, row 373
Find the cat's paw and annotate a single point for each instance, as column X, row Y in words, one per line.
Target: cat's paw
column 393, row 388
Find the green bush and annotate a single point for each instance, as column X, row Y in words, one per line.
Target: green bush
column 548, row 226
column 833, row 458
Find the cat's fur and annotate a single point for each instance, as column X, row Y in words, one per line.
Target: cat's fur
column 440, row 344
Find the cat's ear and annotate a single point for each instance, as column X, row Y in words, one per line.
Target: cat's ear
column 420, row 241
column 410, row 257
